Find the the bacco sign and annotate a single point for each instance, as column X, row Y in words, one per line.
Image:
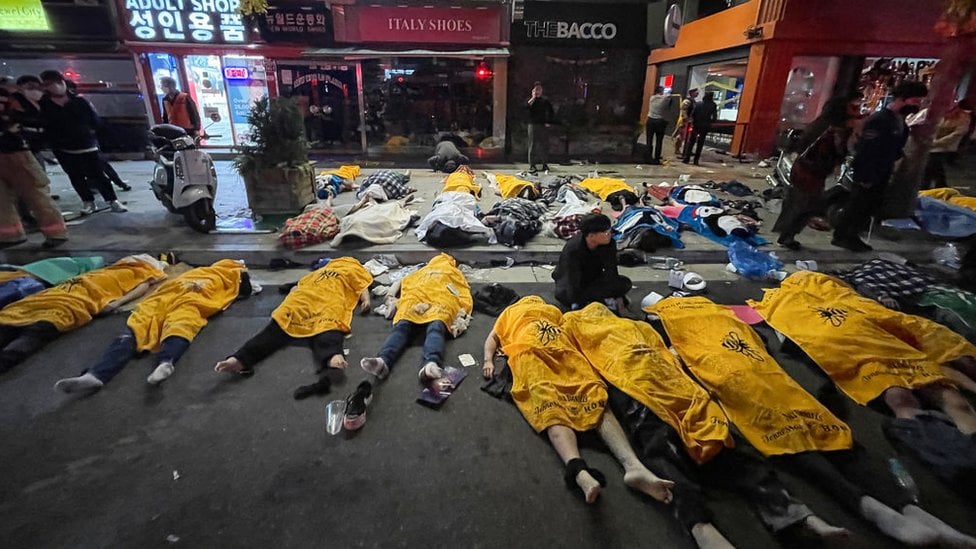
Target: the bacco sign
column 569, row 30
column 582, row 24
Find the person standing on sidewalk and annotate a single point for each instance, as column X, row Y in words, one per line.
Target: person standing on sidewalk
column 541, row 116
column 22, row 178
column 69, row 126
column 178, row 108
column 948, row 137
column 704, row 115
column 682, row 130
column 882, row 141
column 657, row 110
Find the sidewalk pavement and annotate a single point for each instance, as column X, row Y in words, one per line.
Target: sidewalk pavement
column 148, row 227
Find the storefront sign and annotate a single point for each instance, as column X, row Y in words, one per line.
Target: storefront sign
column 566, row 24
column 200, row 21
column 302, row 24
column 23, row 15
column 421, row 25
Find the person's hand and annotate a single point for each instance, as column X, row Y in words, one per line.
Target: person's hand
column 364, row 306
column 391, row 308
column 488, row 369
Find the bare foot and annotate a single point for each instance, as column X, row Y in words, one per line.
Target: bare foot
column 338, row 361
column 820, row 527
column 648, row 483
column 231, row 365
column 589, row 486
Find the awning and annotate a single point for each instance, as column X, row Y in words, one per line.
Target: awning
column 369, row 53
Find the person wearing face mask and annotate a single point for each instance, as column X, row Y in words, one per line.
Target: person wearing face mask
column 882, row 141
column 23, row 179
column 178, row 108
column 69, row 127
column 28, row 96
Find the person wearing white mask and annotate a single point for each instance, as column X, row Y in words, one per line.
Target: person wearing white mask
column 69, row 126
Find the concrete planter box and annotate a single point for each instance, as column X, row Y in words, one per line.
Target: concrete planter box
column 280, row 190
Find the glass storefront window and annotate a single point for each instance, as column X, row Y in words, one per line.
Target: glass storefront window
column 247, row 81
column 808, row 87
column 725, row 81
column 413, row 103
column 207, row 88
column 327, row 96
column 882, row 74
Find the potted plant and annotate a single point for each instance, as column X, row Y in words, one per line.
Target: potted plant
column 274, row 163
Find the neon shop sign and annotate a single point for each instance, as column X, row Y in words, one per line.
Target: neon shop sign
column 199, row 21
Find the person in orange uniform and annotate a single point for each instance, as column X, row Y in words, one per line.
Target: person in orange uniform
column 178, row 108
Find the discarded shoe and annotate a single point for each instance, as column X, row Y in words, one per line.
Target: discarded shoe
column 356, row 403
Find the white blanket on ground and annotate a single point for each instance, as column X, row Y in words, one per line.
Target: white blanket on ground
column 381, row 223
column 457, row 210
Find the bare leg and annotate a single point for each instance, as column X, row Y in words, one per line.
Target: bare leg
column 896, row 525
column 902, row 402
column 563, row 439
column 636, row 476
column 362, row 202
column 823, row 529
column 708, row 537
column 948, row 535
column 953, row 404
column 229, row 364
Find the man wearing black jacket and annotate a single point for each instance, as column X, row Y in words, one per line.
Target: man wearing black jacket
column 703, row 115
column 882, row 139
column 587, row 268
column 69, row 126
column 541, row 115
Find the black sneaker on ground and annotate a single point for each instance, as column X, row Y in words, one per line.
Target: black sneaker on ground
column 790, row 244
column 356, row 403
column 853, row 244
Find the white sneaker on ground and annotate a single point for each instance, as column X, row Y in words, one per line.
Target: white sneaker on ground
column 87, row 208
column 163, row 371
column 117, row 206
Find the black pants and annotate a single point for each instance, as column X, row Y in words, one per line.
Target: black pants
column 111, row 174
column 272, row 338
column 538, row 144
column 655, row 137
column 85, row 171
column 862, row 205
column 697, row 140
column 935, row 173
column 605, row 287
column 19, row 342
column 848, row 476
column 436, row 163
column 661, row 450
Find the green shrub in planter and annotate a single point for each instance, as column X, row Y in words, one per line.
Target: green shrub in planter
column 274, row 164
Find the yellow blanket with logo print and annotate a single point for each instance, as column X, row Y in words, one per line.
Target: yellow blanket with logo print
column 438, row 291
column 729, row 359
column 632, row 357
column 863, row 346
column 605, row 186
column 324, row 299
column 181, row 306
column 510, row 186
column 552, row 383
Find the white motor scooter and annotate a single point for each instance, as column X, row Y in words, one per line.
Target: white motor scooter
column 184, row 179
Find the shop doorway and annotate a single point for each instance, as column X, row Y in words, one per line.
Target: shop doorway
column 327, row 96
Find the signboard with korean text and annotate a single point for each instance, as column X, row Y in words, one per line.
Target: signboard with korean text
column 23, row 15
column 186, row 21
column 247, row 81
column 419, row 24
column 309, row 24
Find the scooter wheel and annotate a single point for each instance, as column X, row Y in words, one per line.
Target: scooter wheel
column 200, row 215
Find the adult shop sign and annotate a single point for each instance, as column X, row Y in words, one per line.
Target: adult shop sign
column 187, row 21
column 572, row 24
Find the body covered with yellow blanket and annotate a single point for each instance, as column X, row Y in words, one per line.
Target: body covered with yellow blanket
column 863, row 346
column 348, row 172
column 436, row 292
column 324, row 299
column 73, row 303
column 631, row 356
column 552, row 383
column 510, row 186
column 952, row 196
column 462, row 181
column 181, row 306
column 770, row 409
column 605, row 186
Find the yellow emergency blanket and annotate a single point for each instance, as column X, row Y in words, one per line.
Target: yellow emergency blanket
column 952, row 196
column 74, row 302
column 730, row 360
column 510, row 186
column 632, row 357
column 181, row 306
column 7, row 276
column 462, row 182
column 438, row 291
column 552, row 383
column 324, row 299
column 605, row 186
column 863, row 346
column 348, row 172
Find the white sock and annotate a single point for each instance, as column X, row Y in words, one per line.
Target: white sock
column 376, row 366
column 431, row 371
column 896, row 525
column 163, row 371
column 948, row 534
column 84, row 382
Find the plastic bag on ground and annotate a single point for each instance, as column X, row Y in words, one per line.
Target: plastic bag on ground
column 751, row 262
